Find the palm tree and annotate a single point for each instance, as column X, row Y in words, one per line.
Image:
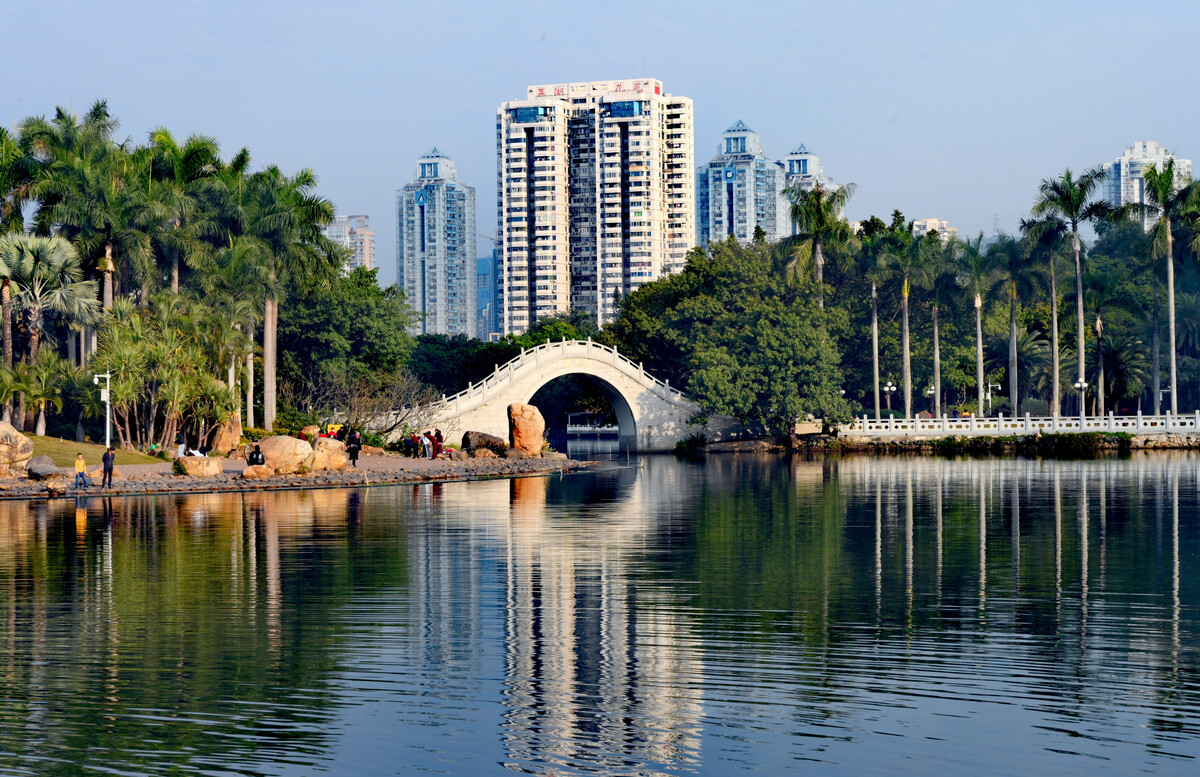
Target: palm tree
column 51, row 284
column 1104, row 293
column 1167, row 196
column 940, row 279
column 1070, row 199
column 45, row 386
column 907, row 257
column 180, row 174
column 1018, row 279
column 976, row 277
column 1046, row 237
column 871, row 267
column 11, row 248
column 15, row 174
column 817, row 216
column 13, row 383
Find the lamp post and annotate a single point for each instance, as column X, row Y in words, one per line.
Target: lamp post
column 889, row 388
column 106, row 398
column 991, row 386
column 1081, row 386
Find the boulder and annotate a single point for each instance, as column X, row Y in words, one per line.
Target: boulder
column 285, row 454
column 526, row 429
column 98, row 473
column 311, row 432
column 257, row 472
column 555, row 456
column 517, row 453
column 41, row 467
column 371, row 450
column 459, row 455
column 228, row 436
column 200, row 466
column 14, row 446
column 473, row 441
column 328, row 455
column 484, row 453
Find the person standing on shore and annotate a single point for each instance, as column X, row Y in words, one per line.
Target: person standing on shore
column 437, row 443
column 80, row 471
column 353, row 446
column 427, row 445
column 180, row 444
column 106, row 461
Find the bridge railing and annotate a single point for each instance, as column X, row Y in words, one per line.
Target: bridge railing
column 1000, row 425
column 504, row 376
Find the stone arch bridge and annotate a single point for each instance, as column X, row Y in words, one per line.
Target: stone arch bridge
column 652, row 416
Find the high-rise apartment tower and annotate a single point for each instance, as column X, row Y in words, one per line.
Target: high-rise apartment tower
column 354, row 233
column 596, row 196
column 435, row 246
column 1126, row 182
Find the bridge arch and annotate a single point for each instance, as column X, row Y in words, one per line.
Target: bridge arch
column 652, row 415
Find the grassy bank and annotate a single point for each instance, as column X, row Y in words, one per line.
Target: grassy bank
column 63, row 452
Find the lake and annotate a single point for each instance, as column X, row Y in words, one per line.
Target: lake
column 741, row 614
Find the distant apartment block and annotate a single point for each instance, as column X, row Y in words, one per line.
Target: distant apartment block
column 946, row 233
column 354, row 233
column 435, row 247
column 595, row 198
column 739, row 190
column 1126, row 182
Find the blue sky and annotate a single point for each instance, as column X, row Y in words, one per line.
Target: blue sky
column 946, row 109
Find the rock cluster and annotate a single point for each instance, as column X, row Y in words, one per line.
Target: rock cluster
column 15, row 448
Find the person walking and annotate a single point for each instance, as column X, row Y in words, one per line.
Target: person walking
column 353, row 446
column 106, row 461
column 80, row 471
column 180, row 444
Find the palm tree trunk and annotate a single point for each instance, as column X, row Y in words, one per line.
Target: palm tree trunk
column 1171, row 319
column 875, row 343
column 1013, row 399
column 250, row 378
column 106, row 302
column 907, row 360
column 175, row 265
column 820, row 260
column 39, row 428
column 979, row 349
column 937, row 367
column 1079, row 306
column 271, row 312
column 1156, row 344
column 1100, row 365
column 1055, row 380
column 6, row 311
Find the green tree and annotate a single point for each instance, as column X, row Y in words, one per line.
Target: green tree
column 817, row 217
column 1168, row 197
column 1045, row 237
column 46, row 380
column 976, row 276
column 1017, row 278
column 908, row 257
column 1070, row 199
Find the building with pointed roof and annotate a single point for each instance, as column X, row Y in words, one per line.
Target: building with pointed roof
column 435, row 247
column 739, row 190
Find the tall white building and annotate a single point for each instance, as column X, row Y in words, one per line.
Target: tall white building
column 435, row 247
column 740, row 189
column 1126, row 182
column 596, row 196
column 355, row 233
column 803, row 171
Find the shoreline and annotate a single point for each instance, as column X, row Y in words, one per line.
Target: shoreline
column 155, row 479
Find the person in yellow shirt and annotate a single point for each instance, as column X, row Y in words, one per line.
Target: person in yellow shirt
column 80, row 470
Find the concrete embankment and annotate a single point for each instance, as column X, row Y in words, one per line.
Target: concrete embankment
column 372, row 470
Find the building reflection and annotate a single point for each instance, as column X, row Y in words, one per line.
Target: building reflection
column 592, row 675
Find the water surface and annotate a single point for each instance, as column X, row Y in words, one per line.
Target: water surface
column 743, row 615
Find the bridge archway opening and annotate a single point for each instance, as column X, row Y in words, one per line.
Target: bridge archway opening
column 579, row 392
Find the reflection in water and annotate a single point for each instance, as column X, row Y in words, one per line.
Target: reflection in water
column 734, row 615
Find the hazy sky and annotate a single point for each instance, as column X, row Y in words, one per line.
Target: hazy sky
column 946, row 109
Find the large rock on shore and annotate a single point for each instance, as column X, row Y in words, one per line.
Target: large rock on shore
column 526, row 428
column 328, row 454
column 41, row 467
column 517, row 453
column 311, row 432
column 257, row 472
column 484, row 453
column 284, row 454
column 15, row 447
column 228, row 436
column 200, row 466
column 473, row 441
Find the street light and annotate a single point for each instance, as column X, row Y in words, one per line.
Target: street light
column 888, row 389
column 988, row 396
column 106, row 398
column 1081, row 386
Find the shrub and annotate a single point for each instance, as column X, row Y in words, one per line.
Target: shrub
column 255, row 434
column 177, row 467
